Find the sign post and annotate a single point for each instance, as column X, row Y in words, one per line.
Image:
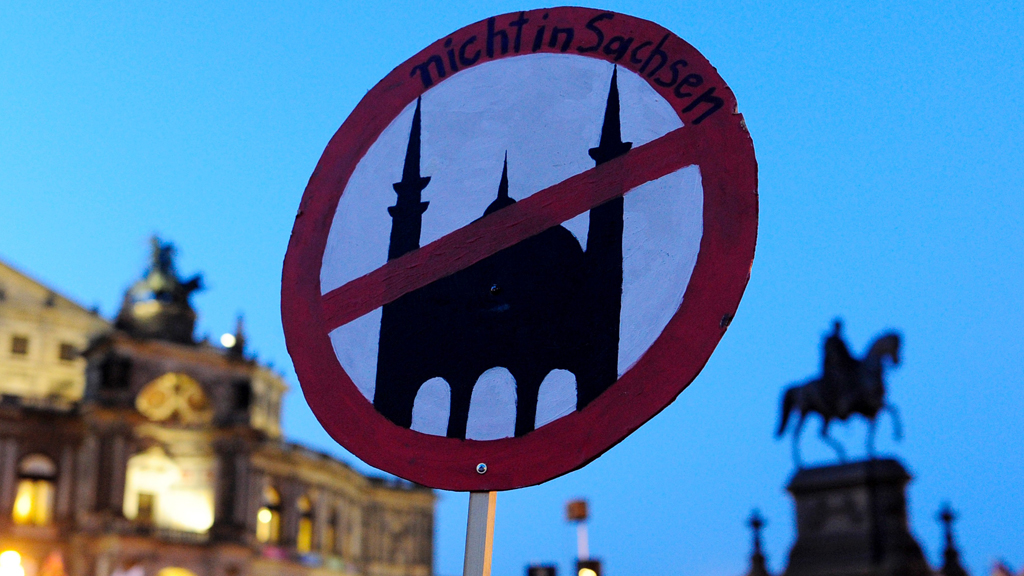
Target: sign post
column 479, row 534
column 522, row 244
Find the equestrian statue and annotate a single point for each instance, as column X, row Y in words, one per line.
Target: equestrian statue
column 846, row 386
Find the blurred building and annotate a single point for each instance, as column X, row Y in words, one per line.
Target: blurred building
column 129, row 448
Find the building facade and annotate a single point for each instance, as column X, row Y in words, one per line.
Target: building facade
column 129, row 448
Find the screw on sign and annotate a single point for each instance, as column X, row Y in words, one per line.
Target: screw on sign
column 522, row 244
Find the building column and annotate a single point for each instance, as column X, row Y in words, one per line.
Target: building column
column 231, row 494
column 290, row 492
column 65, row 481
column 354, row 527
column 112, row 451
column 8, row 475
column 322, row 512
column 87, row 471
column 117, row 460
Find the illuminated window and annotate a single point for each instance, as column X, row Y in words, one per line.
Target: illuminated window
column 19, row 345
column 169, row 493
column 304, row 538
column 268, row 517
column 33, row 503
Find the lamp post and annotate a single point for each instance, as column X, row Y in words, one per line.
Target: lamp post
column 576, row 512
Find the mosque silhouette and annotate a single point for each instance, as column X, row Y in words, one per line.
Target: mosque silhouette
column 540, row 305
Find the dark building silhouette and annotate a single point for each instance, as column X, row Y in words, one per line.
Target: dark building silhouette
column 540, row 305
column 851, row 520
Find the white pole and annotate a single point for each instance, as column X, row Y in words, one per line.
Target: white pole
column 479, row 534
column 582, row 543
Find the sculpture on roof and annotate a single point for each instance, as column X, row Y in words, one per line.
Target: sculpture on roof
column 847, row 386
column 758, row 562
column 157, row 306
column 161, row 280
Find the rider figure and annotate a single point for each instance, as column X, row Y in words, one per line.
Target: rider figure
column 839, row 370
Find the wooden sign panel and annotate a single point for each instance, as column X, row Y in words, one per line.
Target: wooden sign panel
column 524, row 243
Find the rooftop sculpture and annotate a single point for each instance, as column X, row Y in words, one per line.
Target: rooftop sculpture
column 157, row 306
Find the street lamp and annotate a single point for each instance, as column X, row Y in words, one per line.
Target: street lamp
column 588, row 568
column 10, row 564
column 576, row 512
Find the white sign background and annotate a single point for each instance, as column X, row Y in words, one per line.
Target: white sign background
column 546, row 112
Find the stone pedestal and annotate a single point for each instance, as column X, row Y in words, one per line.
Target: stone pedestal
column 852, row 521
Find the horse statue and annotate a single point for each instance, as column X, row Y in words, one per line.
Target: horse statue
column 847, row 386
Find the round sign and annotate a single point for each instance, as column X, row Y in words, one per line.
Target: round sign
column 523, row 244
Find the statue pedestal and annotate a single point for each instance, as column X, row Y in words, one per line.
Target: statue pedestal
column 852, row 520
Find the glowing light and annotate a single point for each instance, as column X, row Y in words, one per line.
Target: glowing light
column 10, row 564
column 587, row 572
column 33, row 502
column 227, row 340
column 264, row 516
column 268, row 522
column 23, row 504
column 175, row 571
column 159, row 483
column 189, row 509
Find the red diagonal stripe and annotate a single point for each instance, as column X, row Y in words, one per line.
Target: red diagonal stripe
column 512, row 224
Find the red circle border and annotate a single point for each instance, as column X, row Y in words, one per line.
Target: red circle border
column 729, row 178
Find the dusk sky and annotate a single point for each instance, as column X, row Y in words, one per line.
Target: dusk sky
column 891, row 182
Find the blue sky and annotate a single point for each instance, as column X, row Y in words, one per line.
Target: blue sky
column 888, row 138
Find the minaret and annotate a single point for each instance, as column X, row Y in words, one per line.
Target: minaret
column 502, row 200
column 395, row 341
column 611, row 145
column 407, row 213
column 604, row 263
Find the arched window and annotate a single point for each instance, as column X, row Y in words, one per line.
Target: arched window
column 304, row 537
column 34, row 501
column 268, row 518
